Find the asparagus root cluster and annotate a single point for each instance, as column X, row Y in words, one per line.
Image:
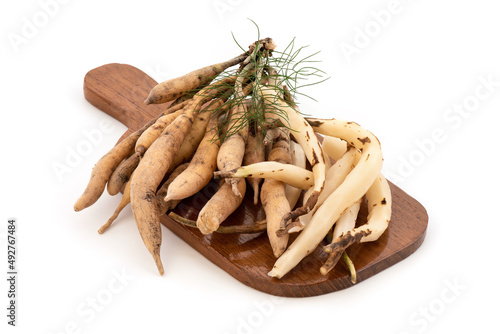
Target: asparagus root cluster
column 237, row 121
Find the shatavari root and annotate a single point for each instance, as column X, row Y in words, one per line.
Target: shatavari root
column 122, row 173
column 273, row 195
column 244, row 123
column 105, row 166
column 147, row 177
column 355, row 185
column 305, row 136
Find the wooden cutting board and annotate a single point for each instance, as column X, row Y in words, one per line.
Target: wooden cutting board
column 119, row 90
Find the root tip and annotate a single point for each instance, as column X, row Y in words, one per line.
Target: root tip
column 83, row 202
column 234, row 187
column 274, row 273
column 159, row 265
column 277, row 252
column 105, row 227
column 281, row 232
column 206, row 226
column 255, row 195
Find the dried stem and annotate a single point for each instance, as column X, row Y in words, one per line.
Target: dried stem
column 256, row 227
column 351, row 267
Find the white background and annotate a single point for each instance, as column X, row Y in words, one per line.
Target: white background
column 427, row 57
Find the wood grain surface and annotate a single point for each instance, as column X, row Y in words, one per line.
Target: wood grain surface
column 119, row 90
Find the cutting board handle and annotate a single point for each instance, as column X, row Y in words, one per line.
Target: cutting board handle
column 119, row 90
